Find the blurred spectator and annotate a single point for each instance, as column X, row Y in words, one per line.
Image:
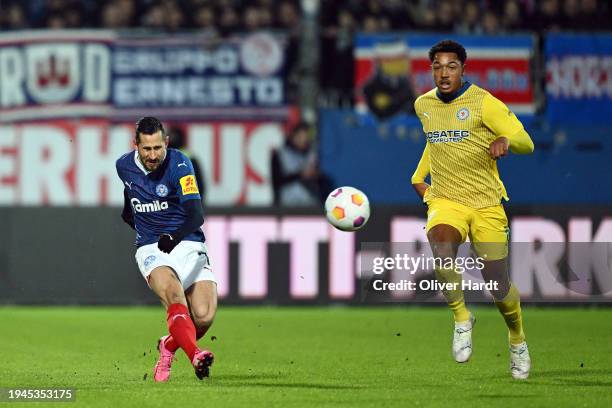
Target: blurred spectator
column 426, row 19
column 337, row 45
column 228, row 21
column 55, row 21
column 266, row 19
column 547, row 17
column 13, row 17
column 470, row 24
column 118, row 14
column 490, row 23
column 163, row 15
column 389, row 90
column 594, row 17
column 174, row 19
column 179, row 141
column 250, row 19
column 154, row 18
column 445, row 16
column 205, row 19
column 370, row 25
column 399, row 14
column 513, row 16
column 296, row 179
column 288, row 16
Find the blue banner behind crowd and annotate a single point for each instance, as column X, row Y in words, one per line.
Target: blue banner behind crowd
column 98, row 73
column 579, row 77
column 567, row 167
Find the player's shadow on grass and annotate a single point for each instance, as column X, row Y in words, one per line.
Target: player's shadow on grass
column 295, row 385
column 253, row 376
column 578, row 377
column 509, row 396
column 255, row 380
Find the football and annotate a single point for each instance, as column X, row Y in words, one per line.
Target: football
column 347, row 208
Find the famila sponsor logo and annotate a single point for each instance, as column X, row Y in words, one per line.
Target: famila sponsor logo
column 148, row 207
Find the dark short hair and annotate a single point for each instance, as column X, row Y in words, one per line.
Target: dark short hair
column 148, row 125
column 448, row 46
column 299, row 127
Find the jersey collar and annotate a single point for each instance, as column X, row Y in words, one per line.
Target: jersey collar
column 138, row 163
column 141, row 167
column 452, row 97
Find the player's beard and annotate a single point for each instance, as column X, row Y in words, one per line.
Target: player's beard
column 152, row 165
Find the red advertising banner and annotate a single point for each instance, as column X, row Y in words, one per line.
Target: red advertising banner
column 499, row 64
column 72, row 163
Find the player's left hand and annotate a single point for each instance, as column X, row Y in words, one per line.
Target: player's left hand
column 499, row 148
column 167, row 243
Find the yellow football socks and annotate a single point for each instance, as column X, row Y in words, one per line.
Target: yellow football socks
column 510, row 308
column 454, row 297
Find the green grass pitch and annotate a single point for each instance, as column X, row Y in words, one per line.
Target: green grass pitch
column 309, row 357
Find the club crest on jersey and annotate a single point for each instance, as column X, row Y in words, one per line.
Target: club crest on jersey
column 155, row 206
column 463, row 113
column 161, row 190
column 149, row 260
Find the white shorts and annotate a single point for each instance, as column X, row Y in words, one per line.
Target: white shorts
column 189, row 259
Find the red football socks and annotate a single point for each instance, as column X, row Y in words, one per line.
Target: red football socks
column 171, row 344
column 182, row 331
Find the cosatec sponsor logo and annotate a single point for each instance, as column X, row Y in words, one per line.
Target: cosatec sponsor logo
column 445, row 136
column 148, row 207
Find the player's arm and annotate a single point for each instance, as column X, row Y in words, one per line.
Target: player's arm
column 509, row 130
column 191, row 201
column 193, row 220
column 127, row 214
column 421, row 172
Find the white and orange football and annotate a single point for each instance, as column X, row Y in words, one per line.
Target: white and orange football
column 347, row 208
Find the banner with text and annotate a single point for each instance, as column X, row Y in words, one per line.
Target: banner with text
column 72, row 163
column 579, row 77
column 100, row 73
column 295, row 257
column 391, row 70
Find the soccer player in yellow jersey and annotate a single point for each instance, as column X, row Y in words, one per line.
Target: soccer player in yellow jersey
column 467, row 130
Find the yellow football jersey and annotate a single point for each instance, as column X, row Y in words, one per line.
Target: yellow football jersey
column 459, row 134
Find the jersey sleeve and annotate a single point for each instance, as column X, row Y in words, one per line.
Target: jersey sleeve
column 503, row 122
column 118, row 169
column 418, row 110
column 185, row 181
column 422, row 170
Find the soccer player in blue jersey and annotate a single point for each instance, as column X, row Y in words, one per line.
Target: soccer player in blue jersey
column 163, row 205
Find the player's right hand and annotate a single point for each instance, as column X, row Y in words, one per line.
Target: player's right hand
column 499, row 147
column 167, row 243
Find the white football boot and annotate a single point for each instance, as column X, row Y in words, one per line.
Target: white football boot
column 520, row 362
column 462, row 340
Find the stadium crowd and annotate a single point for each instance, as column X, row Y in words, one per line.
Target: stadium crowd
column 339, row 21
column 222, row 17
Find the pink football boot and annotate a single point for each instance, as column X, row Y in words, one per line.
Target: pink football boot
column 202, row 361
column 162, row 367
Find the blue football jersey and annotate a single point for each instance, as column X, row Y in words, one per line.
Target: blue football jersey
column 156, row 196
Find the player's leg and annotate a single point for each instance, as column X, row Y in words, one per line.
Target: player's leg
column 507, row 298
column 200, row 288
column 490, row 235
column 202, row 301
column 164, row 282
column 158, row 269
column 445, row 240
column 446, row 230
